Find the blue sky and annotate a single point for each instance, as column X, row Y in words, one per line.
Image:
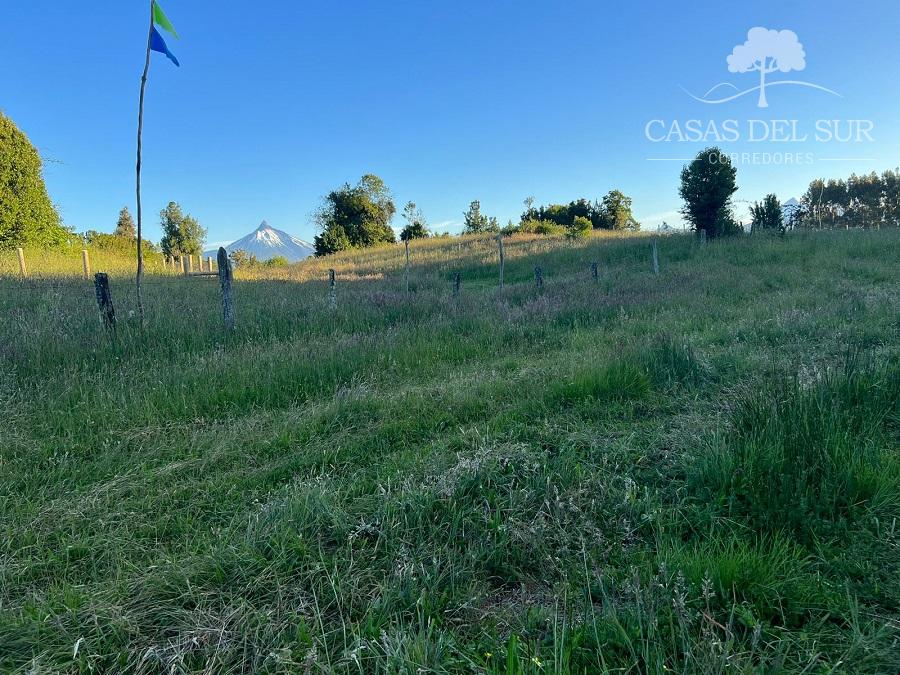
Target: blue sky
column 278, row 102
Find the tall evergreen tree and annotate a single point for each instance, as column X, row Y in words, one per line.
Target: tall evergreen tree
column 26, row 214
column 182, row 234
column 125, row 225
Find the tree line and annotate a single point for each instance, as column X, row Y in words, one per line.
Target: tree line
column 868, row 201
column 358, row 216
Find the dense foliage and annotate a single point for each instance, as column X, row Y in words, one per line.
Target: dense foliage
column 182, row 234
column 707, row 186
column 871, row 200
column 355, row 217
column 475, row 222
column 125, row 227
column 613, row 212
column 27, row 217
column 767, row 215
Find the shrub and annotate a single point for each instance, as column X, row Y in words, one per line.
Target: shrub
column 580, row 227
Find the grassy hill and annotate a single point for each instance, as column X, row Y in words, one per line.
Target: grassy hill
column 690, row 472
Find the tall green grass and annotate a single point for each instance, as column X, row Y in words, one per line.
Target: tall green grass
column 683, row 473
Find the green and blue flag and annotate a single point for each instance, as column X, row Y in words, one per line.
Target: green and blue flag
column 157, row 43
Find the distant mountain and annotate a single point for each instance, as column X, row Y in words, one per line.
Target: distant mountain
column 266, row 242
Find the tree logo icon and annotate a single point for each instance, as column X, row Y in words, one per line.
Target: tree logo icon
column 765, row 52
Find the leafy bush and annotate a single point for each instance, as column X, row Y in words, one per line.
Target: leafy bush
column 27, row 217
column 580, row 227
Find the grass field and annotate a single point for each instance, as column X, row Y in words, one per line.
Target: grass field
column 696, row 472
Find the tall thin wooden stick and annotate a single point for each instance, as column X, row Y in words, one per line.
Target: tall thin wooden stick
column 140, row 255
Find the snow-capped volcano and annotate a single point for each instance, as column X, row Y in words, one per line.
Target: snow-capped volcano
column 266, row 242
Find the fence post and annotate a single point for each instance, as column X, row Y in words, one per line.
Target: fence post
column 655, row 257
column 538, row 277
column 209, row 263
column 22, row 269
column 104, row 300
column 407, row 265
column 225, row 279
column 332, row 290
column 594, row 274
column 86, row 263
column 500, row 247
column 190, row 264
column 703, row 237
column 183, row 264
column 456, row 281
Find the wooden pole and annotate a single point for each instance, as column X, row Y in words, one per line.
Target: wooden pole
column 209, row 264
column 703, row 237
column 190, row 263
column 86, row 263
column 594, row 273
column 655, row 257
column 140, row 256
column 332, row 290
column 500, row 247
column 407, row 265
column 22, row 269
column 104, row 301
column 538, row 277
column 225, row 279
column 456, row 281
column 184, row 269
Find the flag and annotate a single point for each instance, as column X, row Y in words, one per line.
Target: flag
column 161, row 20
column 157, row 44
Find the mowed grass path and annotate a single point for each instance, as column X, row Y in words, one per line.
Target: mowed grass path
column 696, row 472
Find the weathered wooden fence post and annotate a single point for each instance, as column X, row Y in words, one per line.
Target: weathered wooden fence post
column 456, row 281
column 407, row 265
column 225, row 279
column 209, row 264
column 500, row 247
column 594, row 274
column 104, row 300
column 538, row 277
column 332, row 290
column 22, row 269
column 85, row 263
column 190, row 264
column 703, row 237
column 655, row 257
column 183, row 264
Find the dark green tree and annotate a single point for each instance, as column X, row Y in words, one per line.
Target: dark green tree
column 767, row 215
column 182, row 234
column 890, row 181
column 355, row 217
column 475, row 222
column 615, row 212
column 26, row 214
column 416, row 226
column 707, row 185
column 125, row 226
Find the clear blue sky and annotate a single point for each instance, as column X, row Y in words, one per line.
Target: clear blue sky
column 277, row 102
